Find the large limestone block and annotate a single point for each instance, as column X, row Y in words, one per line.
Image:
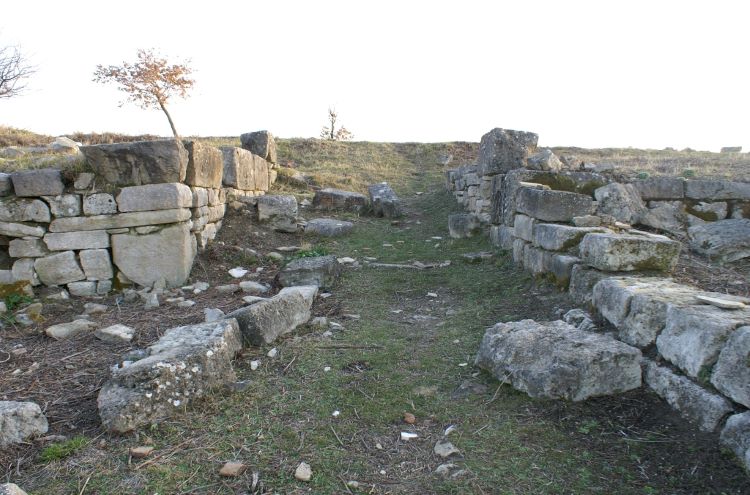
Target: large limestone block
column 731, row 374
column 185, row 364
column 337, row 199
column 383, row 201
column 328, row 227
column 39, row 182
column 535, row 259
column 669, row 216
column 320, row 271
column 501, row 150
column 502, row 236
column 616, row 252
column 99, row 204
column 544, row 160
column 461, row 225
column 694, row 335
column 280, row 212
column 96, row 264
column 138, row 163
column 20, row 230
column 582, row 281
column 260, row 143
column 725, row 240
column 87, row 239
column 557, row 361
column 555, row 237
column 693, row 402
column 553, row 206
column 145, row 259
column 122, row 220
column 150, row 197
column 23, row 269
column 265, row 321
column 59, row 268
column 714, row 190
column 736, row 437
column 660, row 188
column 27, row 248
column 205, row 166
column 23, row 210
column 20, row 421
column 621, row 201
column 64, row 205
column 560, row 266
column 240, row 169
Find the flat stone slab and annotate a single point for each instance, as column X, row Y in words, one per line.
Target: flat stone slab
column 693, row 402
column 122, row 220
column 383, row 201
column 337, row 199
column 724, row 240
column 557, row 361
column 621, row 252
column 328, row 227
column 553, row 206
column 20, row 421
column 266, row 320
column 320, row 271
column 39, row 182
column 88, row 239
column 24, row 210
column 556, row 237
column 149, row 197
column 138, row 163
column 184, row 364
column 715, row 190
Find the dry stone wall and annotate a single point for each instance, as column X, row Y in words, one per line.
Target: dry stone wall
column 576, row 227
column 138, row 215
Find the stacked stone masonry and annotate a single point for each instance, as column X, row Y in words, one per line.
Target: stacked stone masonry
column 138, row 215
column 579, row 228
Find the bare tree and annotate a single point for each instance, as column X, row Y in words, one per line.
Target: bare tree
column 14, row 70
column 149, row 82
column 330, row 131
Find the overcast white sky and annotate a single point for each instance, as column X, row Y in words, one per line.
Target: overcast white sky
column 586, row 73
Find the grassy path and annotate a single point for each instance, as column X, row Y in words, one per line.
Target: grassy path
column 338, row 402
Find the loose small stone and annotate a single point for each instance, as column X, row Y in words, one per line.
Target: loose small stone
column 303, row 472
column 272, row 353
column 141, row 452
column 409, row 418
column 232, row 469
column 254, row 365
column 186, row 304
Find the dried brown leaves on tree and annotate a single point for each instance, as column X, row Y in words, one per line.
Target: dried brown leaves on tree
column 149, row 82
column 14, row 70
column 332, row 133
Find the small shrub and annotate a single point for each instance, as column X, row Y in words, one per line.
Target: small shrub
column 14, row 300
column 688, row 172
column 643, row 175
column 61, row 450
column 311, row 252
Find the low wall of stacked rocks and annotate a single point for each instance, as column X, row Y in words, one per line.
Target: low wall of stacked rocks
column 138, row 214
column 579, row 229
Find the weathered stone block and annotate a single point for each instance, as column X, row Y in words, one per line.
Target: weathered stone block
column 557, row 361
column 200, row 196
column 553, row 206
column 103, row 222
column 535, row 259
column 501, row 150
column 544, row 160
column 616, row 252
column 20, row 230
column 59, row 268
column 502, row 236
column 27, row 248
column 696, row 404
column 88, row 239
column 96, row 264
column 265, row 321
column 725, row 240
column 138, row 163
column 731, row 374
column 582, row 281
column 383, row 201
column 186, row 363
column 555, row 237
column 461, row 225
column 6, row 184
column 23, row 269
column 328, row 227
column 669, row 216
column 82, row 289
column 260, row 143
column 519, row 248
column 99, row 204
column 279, row 211
column 661, row 188
column 64, row 205
column 714, row 190
column 336, row 199
column 561, row 267
column 320, row 271
column 736, row 437
column 37, row 182
column 150, row 197
column 205, row 167
column 243, row 170
column 20, row 421
column 523, row 227
column 621, row 201
column 141, row 258
column 23, row 210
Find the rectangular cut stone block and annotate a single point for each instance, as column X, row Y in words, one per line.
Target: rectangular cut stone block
column 731, row 374
column 96, row 264
column 150, row 197
column 20, row 421
column 164, row 255
column 38, row 182
column 27, row 248
column 561, row 267
column 501, row 150
column 23, row 210
column 23, row 269
column 660, row 188
column 535, row 259
column 6, row 184
column 696, row 404
column 502, row 236
column 59, row 268
column 64, row 205
column 557, row 361
column 554, row 237
column 694, row 335
column 582, row 281
column 20, row 230
column 99, row 204
column 243, row 170
column 553, row 206
column 336, row 199
column 133, row 219
column 616, row 252
column 735, row 436
column 186, row 363
column 519, row 246
column 138, row 163
column 200, row 196
column 715, row 190
column 523, row 227
column 216, row 213
column 65, row 241
column 205, row 166
column 82, row 289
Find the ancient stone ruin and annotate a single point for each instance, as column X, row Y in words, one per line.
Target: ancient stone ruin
column 579, row 229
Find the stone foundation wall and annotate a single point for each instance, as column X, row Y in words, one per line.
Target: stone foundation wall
column 576, row 228
column 137, row 216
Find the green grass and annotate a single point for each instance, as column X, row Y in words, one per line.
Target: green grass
column 61, row 450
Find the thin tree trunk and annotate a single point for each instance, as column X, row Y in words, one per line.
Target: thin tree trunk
column 169, row 118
